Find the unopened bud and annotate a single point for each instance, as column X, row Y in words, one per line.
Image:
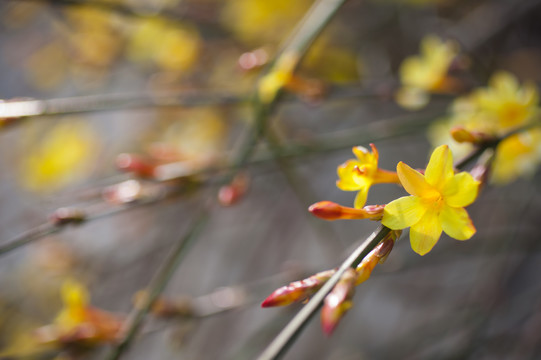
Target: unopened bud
column 135, row 164
column 338, row 301
column 376, row 256
column 64, row 216
column 233, row 192
column 329, row 210
column 298, row 291
column 130, row 191
column 461, row 135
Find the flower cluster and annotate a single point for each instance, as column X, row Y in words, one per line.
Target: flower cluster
column 436, row 204
column 338, row 301
column 505, row 113
column 427, row 73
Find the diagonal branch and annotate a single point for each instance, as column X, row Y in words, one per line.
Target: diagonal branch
column 288, row 335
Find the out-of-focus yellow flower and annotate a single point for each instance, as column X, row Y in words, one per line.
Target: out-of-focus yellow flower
column 517, row 155
column 257, row 22
column 280, row 74
column 492, row 112
column 167, row 45
column 54, row 59
column 329, row 61
column 198, row 135
column 501, row 107
column 94, row 35
column 76, row 300
column 436, row 203
column 360, row 174
column 427, row 72
column 60, row 156
column 79, row 322
column 504, row 105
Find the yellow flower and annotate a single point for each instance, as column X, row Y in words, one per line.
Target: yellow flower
column 78, row 322
column 426, row 73
column 359, row 175
column 517, row 155
column 504, row 105
column 75, row 299
column 429, row 70
column 436, row 203
column 171, row 47
column 280, row 74
column 60, row 156
column 262, row 21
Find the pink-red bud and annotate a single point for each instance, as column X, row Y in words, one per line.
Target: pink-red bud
column 297, row 291
column 329, row 210
column 338, row 301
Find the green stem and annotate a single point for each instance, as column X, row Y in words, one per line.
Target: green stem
column 286, row 337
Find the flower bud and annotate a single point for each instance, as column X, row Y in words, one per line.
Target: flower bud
column 297, row 291
column 64, row 216
column 461, row 135
column 338, row 301
column 135, row 164
column 233, row 192
column 332, row 211
column 376, row 256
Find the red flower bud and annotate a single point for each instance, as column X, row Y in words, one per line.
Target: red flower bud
column 338, row 301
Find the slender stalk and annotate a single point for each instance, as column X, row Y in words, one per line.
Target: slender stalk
column 286, row 337
column 91, row 103
column 159, row 282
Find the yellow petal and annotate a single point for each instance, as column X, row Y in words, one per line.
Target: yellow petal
column 403, row 212
column 347, row 176
column 440, row 167
column 414, row 182
column 456, row 223
column 74, row 294
column 360, row 199
column 461, row 190
column 425, row 233
column 365, row 157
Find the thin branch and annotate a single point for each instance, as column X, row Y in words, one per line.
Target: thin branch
column 82, row 104
column 286, row 337
column 160, row 280
column 315, row 21
column 281, row 343
column 373, row 132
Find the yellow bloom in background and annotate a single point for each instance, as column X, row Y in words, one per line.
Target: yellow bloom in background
column 504, row 105
column 259, row 22
column 76, row 299
column 518, row 155
column 327, row 60
column 497, row 109
column 198, row 135
column 280, row 74
column 94, row 35
column 360, row 174
column 61, row 155
column 169, row 46
column 436, row 203
column 427, row 72
column 78, row 322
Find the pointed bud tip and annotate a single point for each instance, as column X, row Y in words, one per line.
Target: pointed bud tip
column 326, row 210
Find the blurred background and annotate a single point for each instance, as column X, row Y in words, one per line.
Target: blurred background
column 156, row 104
